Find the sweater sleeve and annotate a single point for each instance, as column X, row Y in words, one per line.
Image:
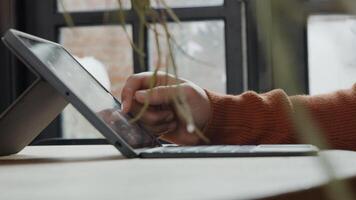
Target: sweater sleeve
column 252, row 118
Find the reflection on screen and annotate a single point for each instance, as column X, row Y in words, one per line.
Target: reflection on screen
column 91, row 93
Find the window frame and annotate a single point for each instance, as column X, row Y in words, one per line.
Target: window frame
column 262, row 54
column 7, row 20
column 231, row 12
column 14, row 77
column 248, row 66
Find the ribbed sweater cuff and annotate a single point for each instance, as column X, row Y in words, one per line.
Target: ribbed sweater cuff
column 218, row 117
column 248, row 118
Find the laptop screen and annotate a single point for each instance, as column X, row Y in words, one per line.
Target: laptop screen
column 90, row 92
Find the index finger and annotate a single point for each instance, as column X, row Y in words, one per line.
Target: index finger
column 133, row 83
column 139, row 82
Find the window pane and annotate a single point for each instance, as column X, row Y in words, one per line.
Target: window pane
column 200, row 52
column 188, row 3
column 90, row 5
column 106, row 53
column 331, row 47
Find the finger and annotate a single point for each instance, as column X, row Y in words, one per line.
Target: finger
column 154, row 116
column 133, row 83
column 161, row 95
column 126, row 98
column 158, row 117
column 161, row 129
column 142, row 81
column 180, row 136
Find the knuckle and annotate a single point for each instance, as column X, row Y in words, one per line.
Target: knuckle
column 155, row 129
column 154, row 118
column 126, row 95
column 149, row 128
column 146, row 73
column 172, row 126
column 126, row 91
column 131, row 78
column 169, row 117
column 155, row 96
column 158, row 129
column 150, row 118
column 188, row 89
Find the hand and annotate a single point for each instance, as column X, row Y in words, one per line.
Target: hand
column 132, row 134
column 161, row 117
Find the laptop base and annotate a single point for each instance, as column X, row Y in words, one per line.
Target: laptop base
column 230, row 151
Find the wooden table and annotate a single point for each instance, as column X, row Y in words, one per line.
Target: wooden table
column 100, row 172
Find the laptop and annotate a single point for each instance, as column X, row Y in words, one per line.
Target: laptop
column 55, row 66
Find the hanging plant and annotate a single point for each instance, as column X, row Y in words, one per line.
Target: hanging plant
column 151, row 19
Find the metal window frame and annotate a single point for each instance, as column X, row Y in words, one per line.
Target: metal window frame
column 261, row 58
column 14, row 77
column 261, row 53
column 230, row 12
column 260, row 69
column 7, row 20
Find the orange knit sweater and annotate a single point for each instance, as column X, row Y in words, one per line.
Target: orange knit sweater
column 252, row 118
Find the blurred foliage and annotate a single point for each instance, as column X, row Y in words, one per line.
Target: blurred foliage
column 284, row 65
column 146, row 13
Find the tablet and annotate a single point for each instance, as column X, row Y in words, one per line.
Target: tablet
column 59, row 68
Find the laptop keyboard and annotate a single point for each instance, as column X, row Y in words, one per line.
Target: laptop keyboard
column 203, row 149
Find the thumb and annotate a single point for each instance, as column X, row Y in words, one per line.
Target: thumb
column 157, row 96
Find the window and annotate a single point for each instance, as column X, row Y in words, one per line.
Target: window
column 212, row 48
column 329, row 43
column 200, row 52
column 244, row 57
column 90, row 5
column 189, row 3
column 320, row 35
column 331, row 47
column 107, row 54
